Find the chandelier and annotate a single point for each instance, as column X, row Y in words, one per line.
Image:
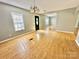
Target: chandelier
column 34, row 8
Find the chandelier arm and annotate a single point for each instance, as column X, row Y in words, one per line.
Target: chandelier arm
column 34, row 8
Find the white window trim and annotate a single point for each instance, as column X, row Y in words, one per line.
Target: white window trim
column 15, row 18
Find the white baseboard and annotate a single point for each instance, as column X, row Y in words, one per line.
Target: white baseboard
column 64, row 31
column 15, row 37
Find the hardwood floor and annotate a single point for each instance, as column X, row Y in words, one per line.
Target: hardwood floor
column 44, row 45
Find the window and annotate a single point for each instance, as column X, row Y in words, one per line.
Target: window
column 51, row 19
column 47, row 21
column 18, row 21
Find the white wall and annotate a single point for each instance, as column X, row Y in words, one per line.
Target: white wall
column 42, row 22
column 65, row 20
column 6, row 22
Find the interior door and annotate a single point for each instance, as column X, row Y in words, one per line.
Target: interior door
column 37, row 22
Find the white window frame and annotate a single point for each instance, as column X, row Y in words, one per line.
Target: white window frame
column 52, row 15
column 17, row 21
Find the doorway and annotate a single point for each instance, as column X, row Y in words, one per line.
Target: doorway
column 37, row 23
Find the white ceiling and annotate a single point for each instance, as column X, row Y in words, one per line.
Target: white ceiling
column 48, row 5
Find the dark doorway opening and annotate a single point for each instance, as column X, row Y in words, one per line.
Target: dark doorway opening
column 37, row 23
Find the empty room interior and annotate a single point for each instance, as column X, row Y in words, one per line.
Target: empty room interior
column 39, row 29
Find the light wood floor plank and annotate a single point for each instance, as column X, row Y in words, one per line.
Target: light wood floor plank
column 45, row 45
